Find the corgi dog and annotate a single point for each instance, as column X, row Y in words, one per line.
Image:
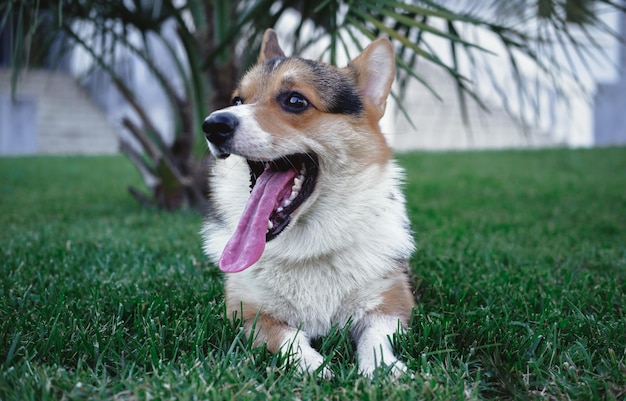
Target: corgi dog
column 307, row 217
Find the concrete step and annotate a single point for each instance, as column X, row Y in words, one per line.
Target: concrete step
column 66, row 119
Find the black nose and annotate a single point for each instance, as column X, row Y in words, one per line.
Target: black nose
column 219, row 127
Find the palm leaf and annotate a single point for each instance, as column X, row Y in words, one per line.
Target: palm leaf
column 210, row 30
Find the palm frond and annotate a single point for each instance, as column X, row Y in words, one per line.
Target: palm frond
column 209, row 32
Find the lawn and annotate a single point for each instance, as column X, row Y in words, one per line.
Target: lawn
column 520, row 277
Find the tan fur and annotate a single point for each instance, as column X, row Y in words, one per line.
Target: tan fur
column 398, row 300
column 366, row 78
column 267, row 329
column 270, row 47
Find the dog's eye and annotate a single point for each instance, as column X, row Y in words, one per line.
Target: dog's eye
column 294, row 102
column 237, row 101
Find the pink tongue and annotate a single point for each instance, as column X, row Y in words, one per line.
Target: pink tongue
column 246, row 245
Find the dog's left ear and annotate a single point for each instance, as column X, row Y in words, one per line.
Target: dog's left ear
column 376, row 68
column 270, row 48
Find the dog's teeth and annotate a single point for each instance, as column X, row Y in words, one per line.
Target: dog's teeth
column 297, row 184
column 280, row 209
column 270, row 225
column 286, row 203
column 267, row 166
column 293, row 195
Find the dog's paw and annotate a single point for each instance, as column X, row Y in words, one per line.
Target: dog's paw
column 395, row 369
column 324, row 373
column 399, row 369
column 308, row 360
column 313, row 363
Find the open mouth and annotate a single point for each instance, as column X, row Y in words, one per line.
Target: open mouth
column 304, row 167
column 277, row 189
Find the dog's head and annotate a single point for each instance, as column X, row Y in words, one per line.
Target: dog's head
column 297, row 123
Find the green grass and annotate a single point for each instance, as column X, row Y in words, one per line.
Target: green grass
column 520, row 274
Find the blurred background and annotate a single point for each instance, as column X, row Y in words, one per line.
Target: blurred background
column 139, row 76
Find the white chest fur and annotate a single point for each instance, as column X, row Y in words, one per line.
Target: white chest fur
column 333, row 264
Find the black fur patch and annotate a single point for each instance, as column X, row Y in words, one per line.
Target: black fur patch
column 336, row 88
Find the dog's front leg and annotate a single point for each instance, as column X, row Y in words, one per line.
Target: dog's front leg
column 372, row 335
column 374, row 331
column 278, row 336
column 296, row 345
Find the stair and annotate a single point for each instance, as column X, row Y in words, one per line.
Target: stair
column 66, row 119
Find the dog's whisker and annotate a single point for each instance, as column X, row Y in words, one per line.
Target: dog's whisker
column 289, row 162
column 234, row 166
column 313, row 160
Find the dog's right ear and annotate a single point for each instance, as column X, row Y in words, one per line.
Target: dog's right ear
column 376, row 68
column 270, row 48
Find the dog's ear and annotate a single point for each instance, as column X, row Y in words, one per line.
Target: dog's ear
column 270, row 47
column 376, row 68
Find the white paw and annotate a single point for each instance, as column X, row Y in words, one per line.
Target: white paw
column 308, row 359
column 395, row 368
column 311, row 362
column 399, row 369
